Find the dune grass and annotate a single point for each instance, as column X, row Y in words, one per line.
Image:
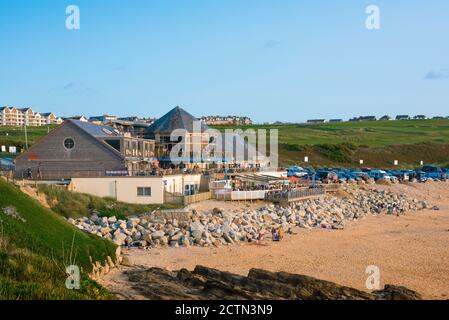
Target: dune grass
column 75, row 205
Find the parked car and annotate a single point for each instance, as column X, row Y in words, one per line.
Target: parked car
column 357, row 175
column 327, row 175
column 295, row 171
column 420, row 175
column 435, row 173
column 379, row 175
column 6, row 164
column 401, row 175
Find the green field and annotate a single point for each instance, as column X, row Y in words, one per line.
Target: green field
column 15, row 136
column 378, row 143
column 35, row 252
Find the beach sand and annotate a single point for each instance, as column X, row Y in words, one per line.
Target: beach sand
column 411, row 250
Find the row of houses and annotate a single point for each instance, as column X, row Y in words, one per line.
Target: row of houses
column 17, row 117
column 374, row 118
column 228, row 120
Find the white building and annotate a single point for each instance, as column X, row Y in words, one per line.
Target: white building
column 18, row 117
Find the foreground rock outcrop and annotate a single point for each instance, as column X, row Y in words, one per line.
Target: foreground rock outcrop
column 208, row 284
column 219, row 227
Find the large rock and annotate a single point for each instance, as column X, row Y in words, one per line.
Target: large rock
column 221, row 226
column 206, row 284
column 157, row 234
column 197, row 230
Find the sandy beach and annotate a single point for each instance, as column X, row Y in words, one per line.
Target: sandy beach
column 410, row 250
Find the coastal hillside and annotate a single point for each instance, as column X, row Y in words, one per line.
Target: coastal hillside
column 378, row 143
column 36, row 245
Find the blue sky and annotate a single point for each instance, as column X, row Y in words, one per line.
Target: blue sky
column 271, row 60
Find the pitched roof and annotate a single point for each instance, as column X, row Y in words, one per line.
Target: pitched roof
column 176, row 118
column 94, row 130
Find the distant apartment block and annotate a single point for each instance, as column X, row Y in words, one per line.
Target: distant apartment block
column 131, row 125
column 138, row 120
column 314, row 121
column 363, row 118
column 17, row 117
column 78, row 118
column 385, row 118
column 104, row 119
column 229, row 120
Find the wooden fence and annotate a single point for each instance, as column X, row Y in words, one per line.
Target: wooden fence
column 180, row 199
column 197, row 198
column 284, row 198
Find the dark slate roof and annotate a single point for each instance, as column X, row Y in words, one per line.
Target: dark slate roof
column 94, row 130
column 176, row 118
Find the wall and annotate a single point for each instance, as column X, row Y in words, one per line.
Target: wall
column 176, row 183
column 124, row 189
column 89, row 157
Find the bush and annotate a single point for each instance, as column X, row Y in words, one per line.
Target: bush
column 76, row 205
column 341, row 153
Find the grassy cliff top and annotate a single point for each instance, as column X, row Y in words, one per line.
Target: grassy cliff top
column 36, row 245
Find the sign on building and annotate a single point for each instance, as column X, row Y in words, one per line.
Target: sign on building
column 3, row 148
column 12, row 149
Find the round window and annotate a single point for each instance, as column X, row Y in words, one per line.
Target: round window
column 69, row 143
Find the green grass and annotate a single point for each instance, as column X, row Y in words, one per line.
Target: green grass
column 8, row 155
column 15, row 136
column 372, row 134
column 74, row 205
column 34, row 254
column 378, row 143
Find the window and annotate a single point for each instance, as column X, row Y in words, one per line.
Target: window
column 143, row 191
column 69, row 143
column 114, row 143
